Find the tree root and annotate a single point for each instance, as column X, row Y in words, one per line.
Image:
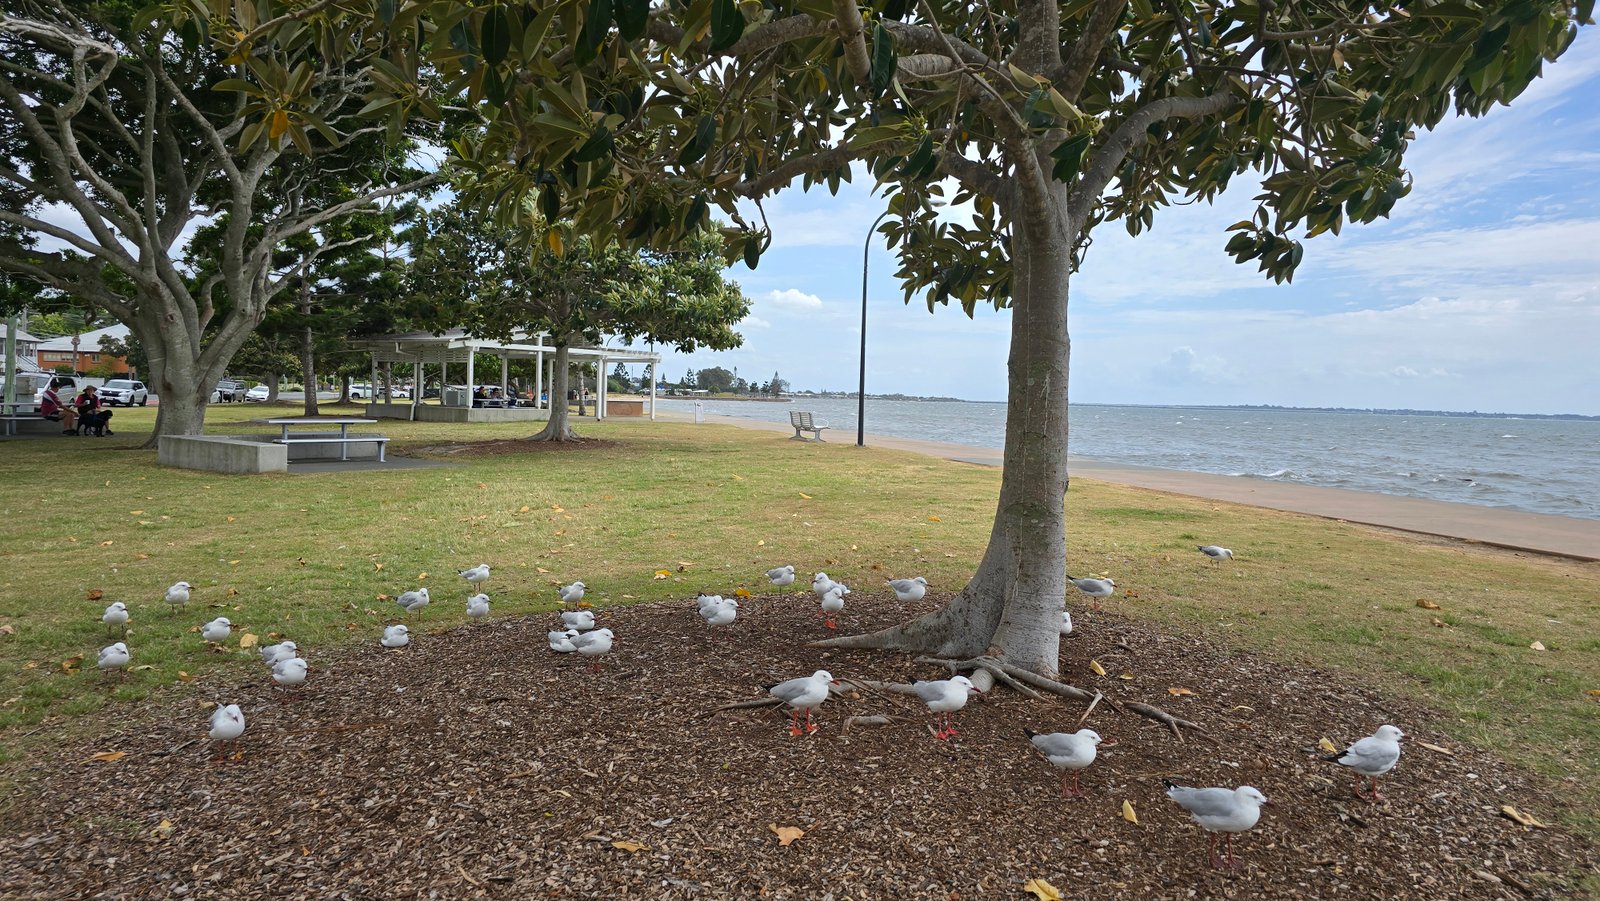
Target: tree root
column 852, row 721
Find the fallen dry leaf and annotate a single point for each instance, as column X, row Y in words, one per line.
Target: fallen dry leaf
column 107, row 543
column 1426, row 604
column 1128, row 814
column 109, row 756
column 421, row 576
column 1098, row 669
column 1042, row 890
column 558, row 508
column 135, row 512
column 741, row 592
column 163, row 830
column 70, row 665
column 1537, row 646
column 630, row 847
column 786, row 834
column 377, row 566
column 662, row 574
column 934, row 519
column 248, row 640
column 96, row 594
column 1179, row 692
column 1328, row 746
column 738, row 478
column 1126, row 676
column 541, row 569
column 523, row 509
column 184, row 676
column 8, row 629
column 1440, row 624
column 1436, row 748
column 804, row 496
column 1520, row 818
column 233, row 563
column 1594, row 693
column 761, row 542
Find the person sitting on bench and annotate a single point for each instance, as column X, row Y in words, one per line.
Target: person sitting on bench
column 93, row 418
column 51, row 408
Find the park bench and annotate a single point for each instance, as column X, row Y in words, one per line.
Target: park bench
column 343, row 438
column 804, row 422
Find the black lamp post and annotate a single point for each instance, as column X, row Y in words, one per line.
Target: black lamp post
column 861, row 392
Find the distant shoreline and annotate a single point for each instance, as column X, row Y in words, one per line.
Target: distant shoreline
column 1264, row 408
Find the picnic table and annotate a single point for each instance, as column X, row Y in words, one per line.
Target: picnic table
column 343, row 440
column 11, row 413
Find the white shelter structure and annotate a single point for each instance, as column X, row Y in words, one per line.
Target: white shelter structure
column 456, row 347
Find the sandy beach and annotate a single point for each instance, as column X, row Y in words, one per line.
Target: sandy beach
column 1513, row 529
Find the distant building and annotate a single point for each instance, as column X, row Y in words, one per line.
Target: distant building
column 58, row 352
column 27, row 352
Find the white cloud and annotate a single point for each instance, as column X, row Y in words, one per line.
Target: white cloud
column 754, row 322
column 792, row 299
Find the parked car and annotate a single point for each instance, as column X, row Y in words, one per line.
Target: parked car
column 257, row 395
column 360, row 391
column 124, row 392
column 227, row 391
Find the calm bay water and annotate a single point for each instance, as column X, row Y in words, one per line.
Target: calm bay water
column 1537, row 465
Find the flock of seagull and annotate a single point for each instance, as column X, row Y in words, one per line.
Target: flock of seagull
column 1222, row 812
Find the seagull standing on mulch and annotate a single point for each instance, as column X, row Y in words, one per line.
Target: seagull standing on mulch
column 413, row 601
column 1372, row 757
column 944, row 697
column 722, row 613
column 1069, row 752
column 1219, row 810
column 572, row 594
column 290, row 671
column 478, row 606
column 227, row 724
column 217, row 631
column 477, row 575
column 803, row 694
column 1066, row 622
column 1217, row 553
column 821, row 584
column 178, row 594
column 782, row 576
column 396, row 636
column 283, row 650
column 115, row 657
column 833, row 605
column 1096, row 589
column 703, row 600
column 594, row 645
column 116, row 615
column 561, row 642
column 581, row 620
column 906, row 590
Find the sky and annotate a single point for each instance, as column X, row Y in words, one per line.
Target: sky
column 1480, row 292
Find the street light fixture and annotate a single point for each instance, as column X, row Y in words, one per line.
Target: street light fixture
column 861, row 392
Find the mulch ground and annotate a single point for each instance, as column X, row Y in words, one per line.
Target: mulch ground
column 476, row 763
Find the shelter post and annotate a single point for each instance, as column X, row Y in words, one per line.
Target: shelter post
column 652, row 391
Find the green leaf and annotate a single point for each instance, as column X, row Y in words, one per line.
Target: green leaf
column 386, row 11
column 238, row 85
column 495, row 36
column 599, row 145
column 727, row 24
column 881, row 74
column 705, row 134
column 596, row 23
column 632, row 17
column 698, row 211
column 1069, row 157
column 752, row 251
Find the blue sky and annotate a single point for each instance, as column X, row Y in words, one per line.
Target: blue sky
column 1482, row 292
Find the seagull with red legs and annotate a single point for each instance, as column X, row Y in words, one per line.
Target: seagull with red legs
column 804, row 694
column 227, row 724
column 833, row 605
column 1069, row 752
column 1219, row 811
column 944, row 697
column 594, row 645
column 1371, row 757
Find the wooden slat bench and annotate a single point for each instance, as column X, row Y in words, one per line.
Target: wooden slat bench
column 804, row 422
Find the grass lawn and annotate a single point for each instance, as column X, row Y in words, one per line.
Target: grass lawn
column 661, row 510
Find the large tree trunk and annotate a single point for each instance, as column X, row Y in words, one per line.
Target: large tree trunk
column 273, row 379
column 557, row 427
column 1011, row 607
column 308, row 352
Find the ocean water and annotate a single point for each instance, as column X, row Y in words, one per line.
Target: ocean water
column 1536, row 465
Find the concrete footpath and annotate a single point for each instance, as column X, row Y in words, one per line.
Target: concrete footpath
column 1534, row 532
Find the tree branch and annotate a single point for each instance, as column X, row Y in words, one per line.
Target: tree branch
column 1074, row 73
column 853, row 35
column 792, row 168
column 1108, row 158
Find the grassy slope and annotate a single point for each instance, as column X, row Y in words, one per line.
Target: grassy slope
column 300, row 556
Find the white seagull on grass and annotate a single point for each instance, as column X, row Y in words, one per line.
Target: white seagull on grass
column 478, row 605
column 908, row 589
column 477, row 575
column 1219, row 810
column 272, row 653
column 217, row 631
column 116, row 615
column 1069, row 752
column 1216, row 552
column 782, row 576
column 414, row 601
column 803, row 694
column 944, row 697
column 572, row 594
column 1371, row 757
column 1096, row 589
column 115, row 657
column 178, row 594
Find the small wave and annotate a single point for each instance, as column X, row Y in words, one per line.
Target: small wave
column 1275, row 474
column 1510, row 436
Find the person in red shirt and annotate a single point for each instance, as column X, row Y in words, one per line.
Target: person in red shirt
column 91, row 414
column 50, row 407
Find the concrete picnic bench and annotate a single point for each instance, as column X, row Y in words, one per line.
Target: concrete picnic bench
column 344, row 439
column 803, row 421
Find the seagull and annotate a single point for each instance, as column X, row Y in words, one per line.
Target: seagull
column 572, row 594
column 1096, row 589
column 116, row 615
column 803, row 694
column 178, row 594
column 782, row 576
column 290, row 671
column 1372, row 756
column 722, row 613
column 115, row 657
column 273, row 653
column 217, row 631
column 703, row 600
column 561, row 642
column 396, row 636
column 227, row 724
column 821, row 584
column 1215, row 552
column 1067, row 751
column 908, row 589
column 1066, row 622
column 478, row 605
column 414, row 601
column 594, row 645
column 477, row 575
column 1224, row 810
column 833, row 605
column 944, row 697
column 582, row 620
